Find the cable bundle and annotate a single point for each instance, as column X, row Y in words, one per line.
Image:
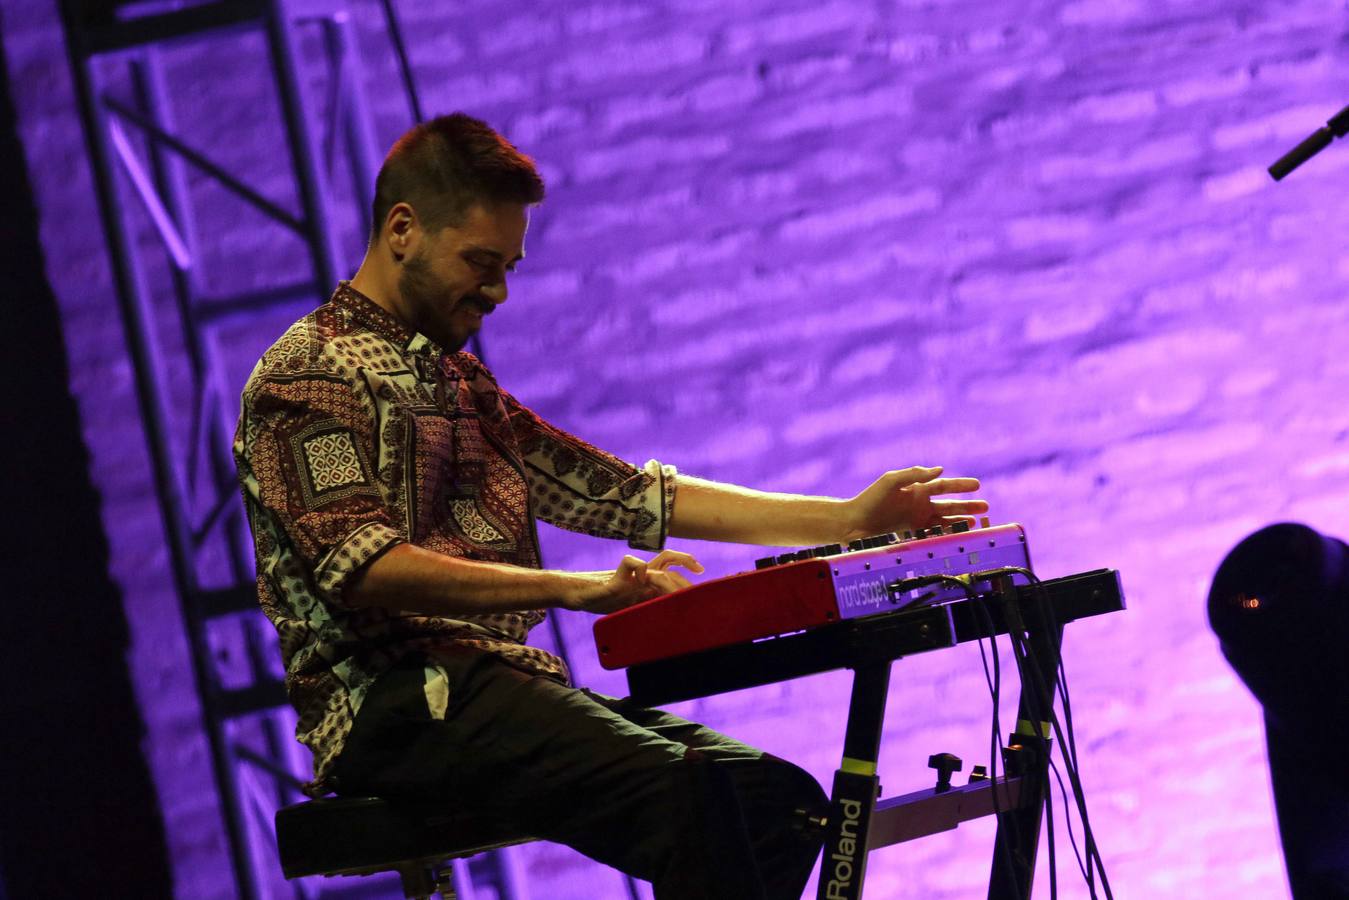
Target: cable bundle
column 1035, row 690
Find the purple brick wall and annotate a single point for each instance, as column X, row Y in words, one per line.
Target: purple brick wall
column 791, row 245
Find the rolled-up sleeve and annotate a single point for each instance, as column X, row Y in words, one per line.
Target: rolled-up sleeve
column 577, row 486
column 306, row 456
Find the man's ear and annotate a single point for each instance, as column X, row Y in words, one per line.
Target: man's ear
column 401, row 230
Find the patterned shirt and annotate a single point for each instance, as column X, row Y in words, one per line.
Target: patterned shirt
column 358, row 434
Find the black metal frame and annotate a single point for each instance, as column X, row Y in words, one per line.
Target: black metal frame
column 256, row 763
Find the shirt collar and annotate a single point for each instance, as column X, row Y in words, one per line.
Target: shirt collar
column 381, row 321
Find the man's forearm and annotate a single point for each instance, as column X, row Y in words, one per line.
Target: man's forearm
column 900, row 499
column 708, row 511
column 412, row 579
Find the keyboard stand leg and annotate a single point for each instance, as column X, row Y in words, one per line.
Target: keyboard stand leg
column 1028, row 751
column 855, row 787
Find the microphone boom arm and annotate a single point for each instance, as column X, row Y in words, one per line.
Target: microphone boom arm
column 1337, row 127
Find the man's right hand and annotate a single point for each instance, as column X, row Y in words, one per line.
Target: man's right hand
column 632, row 582
column 410, row 579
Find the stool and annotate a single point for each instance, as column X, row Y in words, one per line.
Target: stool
column 366, row 835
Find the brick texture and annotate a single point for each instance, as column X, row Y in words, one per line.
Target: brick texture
column 792, row 245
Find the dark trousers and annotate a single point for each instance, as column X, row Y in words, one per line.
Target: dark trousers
column 694, row 812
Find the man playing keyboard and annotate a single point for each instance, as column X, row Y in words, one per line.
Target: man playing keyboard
column 392, row 488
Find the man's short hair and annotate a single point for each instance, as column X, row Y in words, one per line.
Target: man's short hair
column 445, row 166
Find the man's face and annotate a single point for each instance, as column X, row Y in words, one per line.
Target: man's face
column 457, row 275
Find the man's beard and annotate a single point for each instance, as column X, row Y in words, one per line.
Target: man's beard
column 424, row 297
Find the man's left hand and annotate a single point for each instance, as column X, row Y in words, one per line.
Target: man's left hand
column 912, row 498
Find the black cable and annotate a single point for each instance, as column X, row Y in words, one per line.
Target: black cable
column 1089, row 836
column 996, row 747
column 1067, row 736
column 1034, row 694
column 995, row 690
column 1094, row 860
column 1031, row 675
column 1049, row 843
column 1070, row 756
column 1067, row 817
column 1037, row 694
column 404, row 65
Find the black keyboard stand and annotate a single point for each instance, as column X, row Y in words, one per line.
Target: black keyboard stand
column 858, row 821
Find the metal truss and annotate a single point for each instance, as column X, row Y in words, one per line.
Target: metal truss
column 150, row 179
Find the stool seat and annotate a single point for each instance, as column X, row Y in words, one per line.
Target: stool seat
column 364, row 835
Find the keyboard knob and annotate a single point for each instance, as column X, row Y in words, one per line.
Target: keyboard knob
column 880, row 540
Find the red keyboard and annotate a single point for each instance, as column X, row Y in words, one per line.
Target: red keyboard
column 807, row 589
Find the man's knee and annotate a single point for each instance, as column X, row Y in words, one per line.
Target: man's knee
column 776, row 799
column 772, row 785
column 797, row 783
